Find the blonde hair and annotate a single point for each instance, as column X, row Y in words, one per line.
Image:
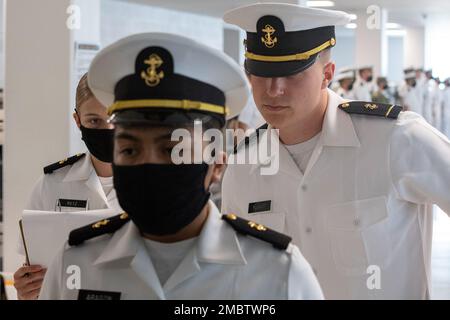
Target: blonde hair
column 83, row 92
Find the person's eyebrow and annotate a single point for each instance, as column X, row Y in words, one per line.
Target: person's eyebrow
column 126, row 136
column 91, row 114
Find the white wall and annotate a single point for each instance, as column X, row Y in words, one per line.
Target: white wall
column 396, row 62
column 90, row 21
column 344, row 52
column 414, row 50
column 120, row 19
column 37, row 102
column 437, row 44
column 371, row 42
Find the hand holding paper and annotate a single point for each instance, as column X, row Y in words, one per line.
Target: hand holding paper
column 45, row 232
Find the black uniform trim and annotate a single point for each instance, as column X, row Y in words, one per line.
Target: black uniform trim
column 98, row 228
column 259, row 231
column 372, row 109
column 247, row 140
column 61, row 164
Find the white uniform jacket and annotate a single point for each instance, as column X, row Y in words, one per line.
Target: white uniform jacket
column 361, row 213
column 221, row 265
column 78, row 181
column 363, row 90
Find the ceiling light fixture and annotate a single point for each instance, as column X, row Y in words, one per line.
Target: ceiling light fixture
column 392, row 25
column 320, row 3
column 353, row 16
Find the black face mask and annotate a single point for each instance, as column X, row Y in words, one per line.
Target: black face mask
column 385, row 87
column 161, row 199
column 99, row 142
column 350, row 87
column 413, row 83
column 369, row 79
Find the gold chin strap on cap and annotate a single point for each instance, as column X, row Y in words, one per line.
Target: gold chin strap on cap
column 292, row 57
column 167, row 103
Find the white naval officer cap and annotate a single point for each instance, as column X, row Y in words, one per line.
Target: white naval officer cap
column 345, row 73
column 284, row 39
column 167, row 79
column 411, row 74
column 365, row 67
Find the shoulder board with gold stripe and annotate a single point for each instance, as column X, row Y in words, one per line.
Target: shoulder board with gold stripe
column 259, row 231
column 62, row 163
column 98, row 228
column 371, row 109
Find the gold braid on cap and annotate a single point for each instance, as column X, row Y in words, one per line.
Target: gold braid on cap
column 292, row 57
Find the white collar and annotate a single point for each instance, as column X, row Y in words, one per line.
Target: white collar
column 80, row 170
column 337, row 131
column 217, row 243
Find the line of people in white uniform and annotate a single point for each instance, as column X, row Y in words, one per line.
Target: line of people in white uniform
column 420, row 92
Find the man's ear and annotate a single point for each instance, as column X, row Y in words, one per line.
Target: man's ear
column 77, row 119
column 328, row 74
column 219, row 167
column 216, row 170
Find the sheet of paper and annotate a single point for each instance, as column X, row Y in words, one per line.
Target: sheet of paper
column 46, row 232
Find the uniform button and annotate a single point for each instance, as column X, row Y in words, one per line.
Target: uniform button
column 304, row 187
column 308, row 230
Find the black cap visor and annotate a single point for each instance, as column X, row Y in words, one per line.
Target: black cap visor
column 166, row 117
column 278, row 69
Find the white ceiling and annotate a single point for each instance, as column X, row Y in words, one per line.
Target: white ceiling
column 405, row 12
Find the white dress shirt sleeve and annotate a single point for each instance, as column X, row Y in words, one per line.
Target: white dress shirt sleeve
column 420, row 162
column 302, row 283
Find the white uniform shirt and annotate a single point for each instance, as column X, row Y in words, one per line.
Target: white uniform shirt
column 301, row 152
column 166, row 257
column 446, row 111
column 221, row 265
column 412, row 99
column 437, row 109
column 422, row 86
column 364, row 202
column 430, row 99
column 78, row 181
column 107, row 184
column 349, row 95
column 362, row 90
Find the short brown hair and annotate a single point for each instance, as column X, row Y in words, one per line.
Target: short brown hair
column 83, row 92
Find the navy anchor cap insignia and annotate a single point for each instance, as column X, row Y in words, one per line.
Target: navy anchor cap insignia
column 270, row 29
column 153, row 64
